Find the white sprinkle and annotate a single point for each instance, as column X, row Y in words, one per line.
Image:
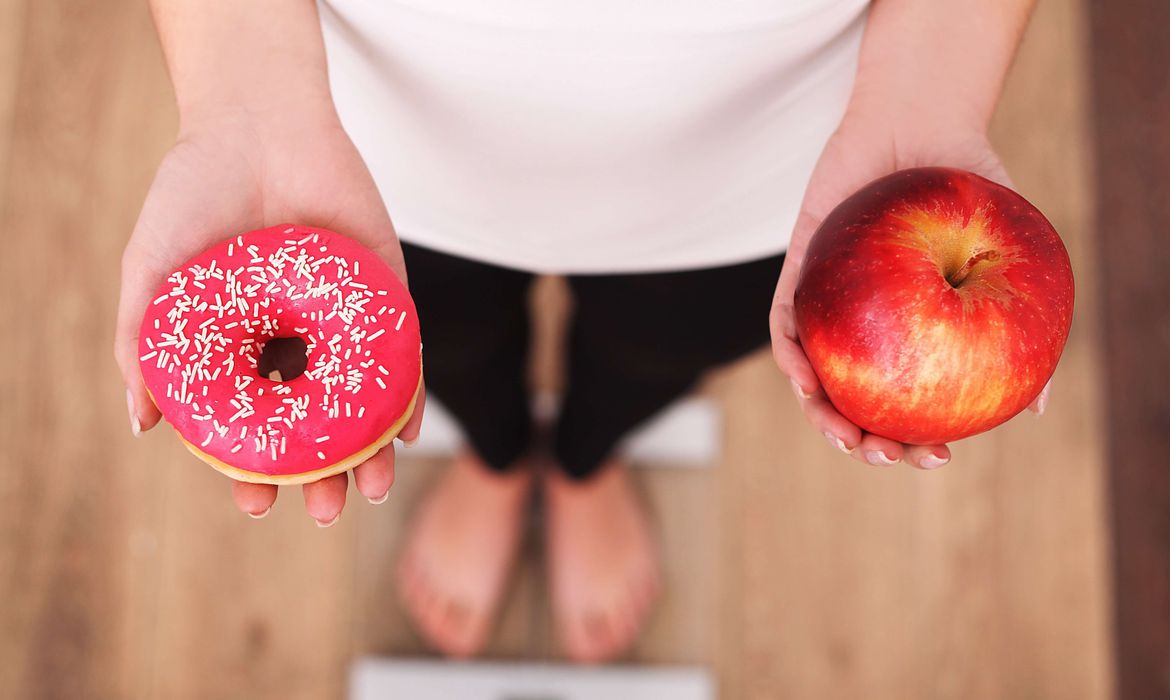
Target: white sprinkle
column 236, row 449
column 398, row 326
column 207, row 440
column 383, row 370
column 323, row 438
column 380, row 382
column 320, row 455
column 149, row 355
column 379, row 332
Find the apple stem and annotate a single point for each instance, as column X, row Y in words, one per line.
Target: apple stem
column 956, row 278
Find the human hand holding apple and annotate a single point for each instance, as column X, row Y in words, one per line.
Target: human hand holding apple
column 863, row 149
column 934, row 304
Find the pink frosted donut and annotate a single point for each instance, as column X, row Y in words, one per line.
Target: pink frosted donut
column 204, row 333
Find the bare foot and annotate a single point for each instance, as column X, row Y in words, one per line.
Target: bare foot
column 460, row 549
column 603, row 562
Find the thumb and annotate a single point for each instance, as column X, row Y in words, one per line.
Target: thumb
column 786, row 349
column 138, row 278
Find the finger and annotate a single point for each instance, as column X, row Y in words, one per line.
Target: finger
column 375, row 476
column 792, row 361
column 137, row 278
column 786, row 349
column 926, row 456
column 878, row 451
column 837, row 429
column 1041, row 403
column 254, row 499
column 324, row 499
column 410, row 432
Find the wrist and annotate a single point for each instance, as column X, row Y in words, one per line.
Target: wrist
column 260, row 60
column 909, row 116
column 266, row 118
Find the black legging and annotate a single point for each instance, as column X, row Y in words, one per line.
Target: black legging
column 637, row 342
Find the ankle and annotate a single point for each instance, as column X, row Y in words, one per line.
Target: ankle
column 606, row 476
column 467, row 464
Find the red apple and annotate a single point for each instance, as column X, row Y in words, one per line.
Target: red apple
column 934, row 304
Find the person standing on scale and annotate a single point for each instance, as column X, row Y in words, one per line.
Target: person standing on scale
column 671, row 160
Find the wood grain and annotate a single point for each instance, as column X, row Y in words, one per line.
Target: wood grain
column 125, row 572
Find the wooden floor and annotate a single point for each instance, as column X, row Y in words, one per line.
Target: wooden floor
column 793, row 572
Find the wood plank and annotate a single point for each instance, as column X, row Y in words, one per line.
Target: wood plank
column 77, row 606
column 1131, row 71
column 11, row 47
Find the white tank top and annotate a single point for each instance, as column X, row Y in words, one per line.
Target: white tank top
column 579, row 136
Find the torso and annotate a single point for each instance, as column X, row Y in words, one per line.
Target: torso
column 603, row 136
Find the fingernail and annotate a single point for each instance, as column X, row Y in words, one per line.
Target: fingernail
column 933, row 461
column 410, row 443
column 380, row 500
column 261, row 514
column 800, row 393
column 878, row 458
column 837, row 442
column 1042, row 403
column 329, row 523
column 135, row 426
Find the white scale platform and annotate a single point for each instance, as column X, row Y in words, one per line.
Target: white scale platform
column 405, row 679
column 685, row 434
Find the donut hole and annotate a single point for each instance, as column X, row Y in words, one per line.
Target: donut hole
column 283, row 359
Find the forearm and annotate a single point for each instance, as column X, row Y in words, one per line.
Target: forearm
column 938, row 63
column 250, row 56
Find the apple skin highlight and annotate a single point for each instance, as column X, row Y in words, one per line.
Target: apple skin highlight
column 934, row 304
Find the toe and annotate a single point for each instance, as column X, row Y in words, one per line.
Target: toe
column 574, row 637
column 407, row 577
column 598, row 636
column 433, row 605
column 462, row 634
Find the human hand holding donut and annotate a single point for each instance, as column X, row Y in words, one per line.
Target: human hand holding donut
column 235, row 170
column 904, row 113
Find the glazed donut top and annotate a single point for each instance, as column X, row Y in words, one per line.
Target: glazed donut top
column 203, row 333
